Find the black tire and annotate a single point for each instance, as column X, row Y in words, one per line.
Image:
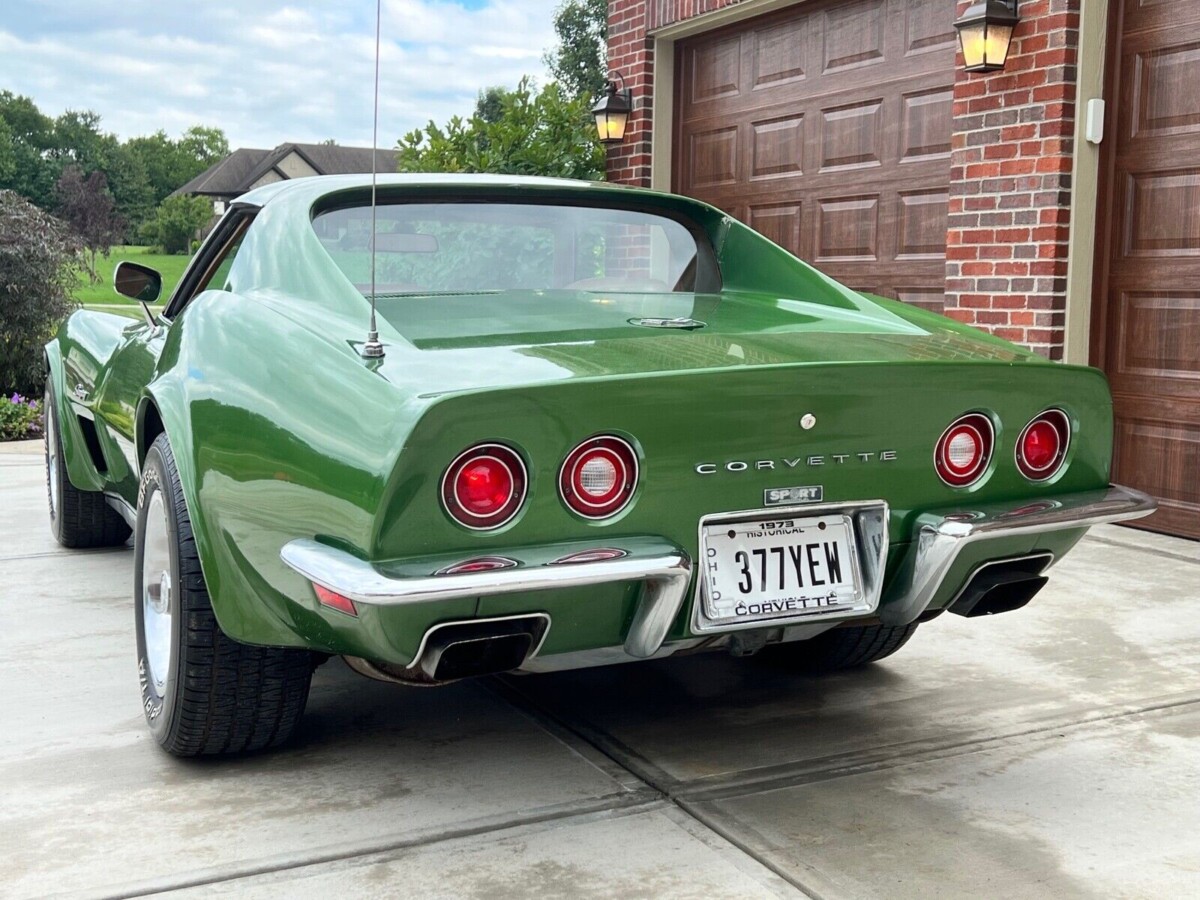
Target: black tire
column 78, row 519
column 840, row 648
column 212, row 695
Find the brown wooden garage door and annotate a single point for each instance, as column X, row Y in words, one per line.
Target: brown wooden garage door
column 827, row 128
column 1146, row 328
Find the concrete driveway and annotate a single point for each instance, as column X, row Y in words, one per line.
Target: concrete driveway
column 1054, row 752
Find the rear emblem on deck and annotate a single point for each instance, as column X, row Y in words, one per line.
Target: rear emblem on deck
column 789, row 495
column 685, row 323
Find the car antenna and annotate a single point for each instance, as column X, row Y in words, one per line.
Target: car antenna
column 373, row 348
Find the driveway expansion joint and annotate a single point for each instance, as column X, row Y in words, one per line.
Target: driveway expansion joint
column 621, row 803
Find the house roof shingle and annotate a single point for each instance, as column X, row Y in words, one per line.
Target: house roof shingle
column 239, row 171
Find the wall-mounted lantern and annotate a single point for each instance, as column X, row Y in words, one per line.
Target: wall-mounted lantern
column 985, row 32
column 612, row 111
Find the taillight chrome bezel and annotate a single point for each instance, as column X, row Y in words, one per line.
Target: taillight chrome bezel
column 507, row 457
column 628, row 473
column 979, row 424
column 1061, row 423
column 478, row 564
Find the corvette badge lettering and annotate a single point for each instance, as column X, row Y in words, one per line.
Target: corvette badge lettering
column 836, row 459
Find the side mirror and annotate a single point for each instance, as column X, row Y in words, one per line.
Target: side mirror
column 139, row 282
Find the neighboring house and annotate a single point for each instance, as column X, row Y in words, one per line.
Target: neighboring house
column 847, row 131
column 245, row 169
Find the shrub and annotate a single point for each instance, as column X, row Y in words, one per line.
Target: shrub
column 175, row 223
column 19, row 418
column 39, row 270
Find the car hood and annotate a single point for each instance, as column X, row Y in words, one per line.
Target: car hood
column 458, row 342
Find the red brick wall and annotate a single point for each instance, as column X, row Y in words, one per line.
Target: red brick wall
column 633, row 56
column 1010, row 177
column 1010, row 183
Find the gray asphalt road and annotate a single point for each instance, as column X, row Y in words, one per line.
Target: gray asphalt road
column 1053, row 752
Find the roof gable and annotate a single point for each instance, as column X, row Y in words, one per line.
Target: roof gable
column 246, row 168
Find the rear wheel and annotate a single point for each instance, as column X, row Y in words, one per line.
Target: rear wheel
column 202, row 692
column 840, row 648
column 78, row 519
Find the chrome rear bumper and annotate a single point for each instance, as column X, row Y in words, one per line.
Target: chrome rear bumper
column 664, row 569
column 943, row 534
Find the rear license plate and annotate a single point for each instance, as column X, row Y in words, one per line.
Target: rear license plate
column 798, row 567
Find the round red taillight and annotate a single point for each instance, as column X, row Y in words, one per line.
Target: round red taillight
column 964, row 449
column 484, row 487
column 1042, row 446
column 597, row 479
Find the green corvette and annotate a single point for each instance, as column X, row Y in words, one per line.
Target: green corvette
column 590, row 425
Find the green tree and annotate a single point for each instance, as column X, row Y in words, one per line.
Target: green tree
column 38, row 271
column 170, row 164
column 32, row 164
column 131, row 188
column 27, row 122
column 535, row 133
column 202, row 146
column 579, row 62
column 78, row 139
column 489, row 105
column 175, row 223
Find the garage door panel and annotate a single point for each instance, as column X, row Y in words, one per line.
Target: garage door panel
column 713, row 157
column 777, row 147
column 1164, row 96
column 716, row 70
column 848, row 228
column 853, row 36
column 1162, row 457
column 780, row 222
column 842, row 160
column 926, row 124
column 779, row 54
column 1157, row 347
column 926, row 298
column 1162, row 213
column 927, row 28
column 922, row 218
column 852, row 136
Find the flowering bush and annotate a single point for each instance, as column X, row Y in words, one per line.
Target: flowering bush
column 19, row 418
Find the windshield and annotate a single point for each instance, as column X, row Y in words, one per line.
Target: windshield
column 427, row 248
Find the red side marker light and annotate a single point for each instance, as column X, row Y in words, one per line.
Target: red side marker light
column 334, row 600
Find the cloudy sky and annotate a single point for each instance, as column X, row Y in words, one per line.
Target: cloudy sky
column 267, row 71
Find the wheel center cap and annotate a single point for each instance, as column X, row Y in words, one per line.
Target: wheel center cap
column 161, row 603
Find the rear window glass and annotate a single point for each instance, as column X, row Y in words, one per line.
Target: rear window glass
column 434, row 248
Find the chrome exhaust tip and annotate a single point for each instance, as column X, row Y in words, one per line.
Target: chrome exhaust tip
column 469, row 648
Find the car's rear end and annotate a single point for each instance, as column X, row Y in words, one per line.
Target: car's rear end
column 641, row 428
column 628, row 515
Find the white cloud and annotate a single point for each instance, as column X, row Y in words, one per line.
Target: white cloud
column 268, row 71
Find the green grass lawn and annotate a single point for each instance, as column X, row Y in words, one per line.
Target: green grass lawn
column 102, row 294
